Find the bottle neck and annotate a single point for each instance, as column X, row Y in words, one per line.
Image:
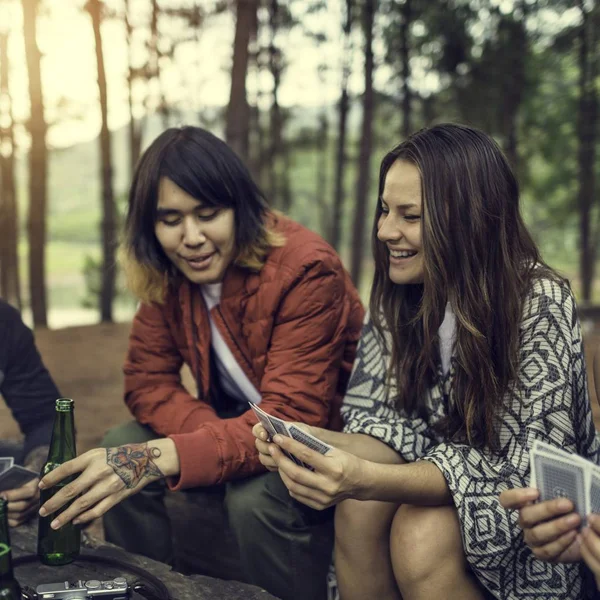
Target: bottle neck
column 6, row 567
column 62, row 444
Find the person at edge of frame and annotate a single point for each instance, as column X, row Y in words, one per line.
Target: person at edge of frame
column 30, row 393
column 551, row 529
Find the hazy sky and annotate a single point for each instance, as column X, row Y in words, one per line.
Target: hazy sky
column 200, row 73
column 199, row 76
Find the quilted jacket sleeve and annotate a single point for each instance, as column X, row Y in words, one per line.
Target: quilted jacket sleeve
column 153, row 389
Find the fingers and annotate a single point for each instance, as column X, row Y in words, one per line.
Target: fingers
column 262, row 447
column 264, row 456
column 310, row 457
column 99, row 509
column 101, row 474
column 547, row 532
column 532, row 515
column 590, row 545
column 29, row 490
column 22, row 503
column 71, row 467
column 23, row 515
column 313, row 497
column 258, row 431
column 14, row 508
column 89, row 502
column 518, row 497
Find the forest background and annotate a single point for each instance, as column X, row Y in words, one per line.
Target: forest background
column 311, row 93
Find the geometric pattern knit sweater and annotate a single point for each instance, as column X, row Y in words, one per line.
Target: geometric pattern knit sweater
column 550, row 402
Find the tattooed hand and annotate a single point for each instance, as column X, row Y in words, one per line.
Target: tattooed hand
column 133, row 462
column 106, row 476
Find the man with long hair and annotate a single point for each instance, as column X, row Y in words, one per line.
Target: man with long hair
column 260, row 309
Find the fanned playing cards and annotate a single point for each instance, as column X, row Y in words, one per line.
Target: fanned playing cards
column 275, row 425
column 559, row 474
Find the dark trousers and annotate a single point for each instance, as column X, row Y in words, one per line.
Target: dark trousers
column 285, row 546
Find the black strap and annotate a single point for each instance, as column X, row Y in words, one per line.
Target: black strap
column 150, row 586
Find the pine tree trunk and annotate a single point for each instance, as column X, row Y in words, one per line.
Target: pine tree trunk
column 405, row 57
column 9, row 223
column 321, row 153
column 134, row 128
column 38, row 170
column 108, row 228
column 276, row 150
column 587, row 123
column 364, row 163
column 238, row 111
column 335, row 235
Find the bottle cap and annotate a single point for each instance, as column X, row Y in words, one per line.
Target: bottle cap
column 64, row 404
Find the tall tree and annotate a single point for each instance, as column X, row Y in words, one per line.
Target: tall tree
column 335, row 235
column 406, row 10
column 275, row 116
column 366, row 146
column 135, row 126
column 238, row 110
column 109, row 216
column 9, row 260
column 38, row 169
column 587, row 133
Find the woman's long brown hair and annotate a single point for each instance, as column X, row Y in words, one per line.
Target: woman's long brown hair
column 479, row 257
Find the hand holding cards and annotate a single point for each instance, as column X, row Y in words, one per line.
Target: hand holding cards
column 275, row 425
column 556, row 473
column 14, row 476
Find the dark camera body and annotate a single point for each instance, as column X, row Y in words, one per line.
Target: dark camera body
column 93, row 589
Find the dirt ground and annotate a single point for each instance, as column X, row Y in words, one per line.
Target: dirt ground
column 86, row 365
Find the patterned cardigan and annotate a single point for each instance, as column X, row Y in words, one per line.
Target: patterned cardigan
column 550, row 402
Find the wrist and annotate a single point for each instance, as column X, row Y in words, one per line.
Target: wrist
column 168, row 461
column 364, row 479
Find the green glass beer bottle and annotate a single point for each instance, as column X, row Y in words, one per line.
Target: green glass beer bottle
column 61, row 546
column 9, row 586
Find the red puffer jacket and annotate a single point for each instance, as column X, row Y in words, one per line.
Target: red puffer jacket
column 293, row 328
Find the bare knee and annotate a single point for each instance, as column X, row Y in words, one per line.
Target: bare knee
column 422, row 540
column 368, row 522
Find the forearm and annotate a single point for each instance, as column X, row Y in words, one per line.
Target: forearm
column 169, row 410
column 420, row 483
column 361, row 445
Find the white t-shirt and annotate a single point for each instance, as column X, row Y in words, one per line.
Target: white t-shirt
column 447, row 335
column 231, row 376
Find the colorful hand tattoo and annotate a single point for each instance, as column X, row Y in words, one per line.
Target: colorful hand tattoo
column 133, row 462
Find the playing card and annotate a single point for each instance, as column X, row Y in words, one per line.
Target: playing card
column 308, row 440
column 594, row 501
column 263, row 417
column 16, row 477
column 6, row 462
column 539, row 446
column 274, row 425
column 556, row 477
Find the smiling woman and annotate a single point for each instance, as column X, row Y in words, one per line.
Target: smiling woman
column 470, row 352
